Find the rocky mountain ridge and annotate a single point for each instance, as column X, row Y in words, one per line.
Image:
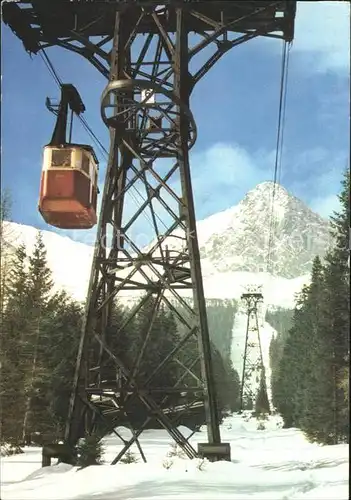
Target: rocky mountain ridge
column 290, row 233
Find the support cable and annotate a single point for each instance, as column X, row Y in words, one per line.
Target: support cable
column 50, row 67
column 279, row 148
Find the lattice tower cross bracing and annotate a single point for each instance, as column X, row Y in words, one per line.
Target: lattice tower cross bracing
column 253, row 378
column 147, row 52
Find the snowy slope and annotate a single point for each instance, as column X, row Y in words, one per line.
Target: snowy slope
column 233, row 243
column 266, row 464
column 70, row 262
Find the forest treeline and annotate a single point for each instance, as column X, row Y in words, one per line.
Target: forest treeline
column 40, row 330
column 310, row 357
column 39, row 340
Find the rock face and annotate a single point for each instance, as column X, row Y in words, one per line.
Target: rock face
column 253, row 237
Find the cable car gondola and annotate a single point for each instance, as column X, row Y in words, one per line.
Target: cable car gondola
column 68, row 190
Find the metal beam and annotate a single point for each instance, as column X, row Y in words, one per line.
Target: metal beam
column 147, row 110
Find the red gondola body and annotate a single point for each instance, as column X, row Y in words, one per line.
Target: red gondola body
column 68, row 190
column 68, row 187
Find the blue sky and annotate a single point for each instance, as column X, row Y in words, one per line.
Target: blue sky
column 239, row 95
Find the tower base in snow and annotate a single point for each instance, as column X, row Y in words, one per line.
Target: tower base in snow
column 214, row 452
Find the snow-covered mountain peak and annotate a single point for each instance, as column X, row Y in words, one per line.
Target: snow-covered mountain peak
column 268, row 196
column 267, row 187
column 233, row 245
column 268, row 221
column 257, row 199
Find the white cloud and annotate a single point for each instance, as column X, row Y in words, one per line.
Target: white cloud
column 222, row 175
column 325, row 206
column 322, row 33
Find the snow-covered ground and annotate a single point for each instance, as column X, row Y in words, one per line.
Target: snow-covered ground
column 267, row 464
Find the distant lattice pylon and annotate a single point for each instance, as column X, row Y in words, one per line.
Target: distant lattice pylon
column 253, row 391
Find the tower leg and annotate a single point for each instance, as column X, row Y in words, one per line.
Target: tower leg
column 144, row 130
column 182, row 87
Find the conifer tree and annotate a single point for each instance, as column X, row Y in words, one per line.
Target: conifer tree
column 14, row 325
column 168, row 338
column 90, row 451
column 60, row 348
column 221, row 314
column 227, row 383
column 119, row 340
column 262, row 402
column 336, row 317
column 40, row 289
column 308, row 400
column 40, row 333
column 159, row 329
column 5, row 217
column 155, row 336
column 309, row 389
column 6, row 245
column 289, row 379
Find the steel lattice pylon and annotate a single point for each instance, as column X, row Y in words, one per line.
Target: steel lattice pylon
column 253, row 375
column 146, row 52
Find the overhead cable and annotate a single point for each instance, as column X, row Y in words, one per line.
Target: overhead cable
column 49, row 65
column 279, row 149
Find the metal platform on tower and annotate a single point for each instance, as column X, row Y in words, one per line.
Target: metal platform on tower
column 39, row 22
column 149, row 53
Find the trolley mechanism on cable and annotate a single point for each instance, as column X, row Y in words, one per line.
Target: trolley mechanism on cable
column 68, row 188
